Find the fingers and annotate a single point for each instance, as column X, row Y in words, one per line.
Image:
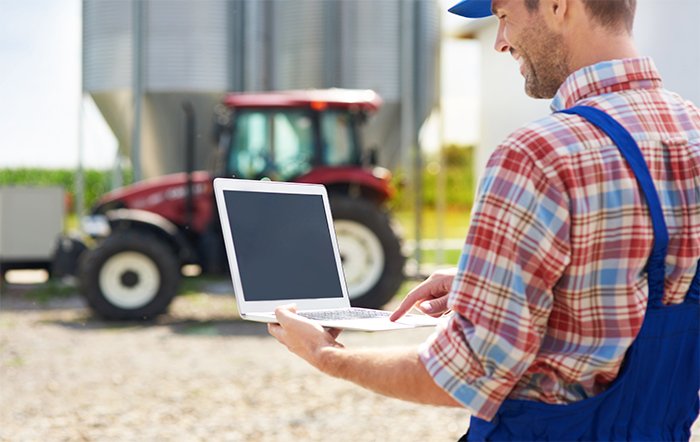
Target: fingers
column 402, row 309
column 289, row 322
column 436, row 287
column 302, row 336
column 286, row 309
column 428, row 289
column 275, row 330
column 334, row 332
column 436, row 307
column 419, row 293
column 284, row 315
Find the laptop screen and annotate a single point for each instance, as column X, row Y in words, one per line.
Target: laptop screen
column 283, row 246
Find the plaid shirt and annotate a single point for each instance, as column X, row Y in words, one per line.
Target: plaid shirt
column 551, row 289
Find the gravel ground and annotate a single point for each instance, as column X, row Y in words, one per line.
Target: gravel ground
column 198, row 373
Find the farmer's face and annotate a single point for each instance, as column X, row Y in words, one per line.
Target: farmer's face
column 538, row 49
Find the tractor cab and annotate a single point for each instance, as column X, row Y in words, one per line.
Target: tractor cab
column 286, row 135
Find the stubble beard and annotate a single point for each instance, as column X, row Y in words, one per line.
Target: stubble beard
column 546, row 61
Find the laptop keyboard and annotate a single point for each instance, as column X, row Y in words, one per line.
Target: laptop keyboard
column 342, row 314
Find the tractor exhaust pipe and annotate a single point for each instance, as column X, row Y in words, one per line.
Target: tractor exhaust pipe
column 189, row 161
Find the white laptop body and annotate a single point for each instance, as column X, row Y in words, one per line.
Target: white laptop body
column 282, row 249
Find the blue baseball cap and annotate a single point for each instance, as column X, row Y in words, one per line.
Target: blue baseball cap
column 472, row 8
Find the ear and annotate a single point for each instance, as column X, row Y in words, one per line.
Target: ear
column 556, row 12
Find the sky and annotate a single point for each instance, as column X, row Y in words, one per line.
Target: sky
column 40, row 90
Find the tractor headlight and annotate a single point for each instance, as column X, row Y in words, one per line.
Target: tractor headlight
column 381, row 173
column 95, row 225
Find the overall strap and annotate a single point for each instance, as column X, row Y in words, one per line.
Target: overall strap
column 694, row 290
column 630, row 151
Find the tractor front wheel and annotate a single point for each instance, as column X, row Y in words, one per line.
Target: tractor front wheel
column 130, row 275
column 370, row 251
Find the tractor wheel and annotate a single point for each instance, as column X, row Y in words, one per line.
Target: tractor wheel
column 370, row 251
column 130, row 275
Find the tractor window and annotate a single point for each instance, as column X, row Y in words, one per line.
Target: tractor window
column 249, row 156
column 278, row 144
column 293, row 143
column 338, row 141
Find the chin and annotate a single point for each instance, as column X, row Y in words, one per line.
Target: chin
column 536, row 91
column 531, row 91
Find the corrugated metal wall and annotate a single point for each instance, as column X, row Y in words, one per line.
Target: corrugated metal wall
column 198, row 62
column 107, row 45
column 298, row 37
column 371, row 41
column 201, row 49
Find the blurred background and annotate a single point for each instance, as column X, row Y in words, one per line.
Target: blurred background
column 93, row 89
column 63, row 55
column 398, row 106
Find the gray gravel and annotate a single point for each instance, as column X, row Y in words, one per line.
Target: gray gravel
column 198, row 373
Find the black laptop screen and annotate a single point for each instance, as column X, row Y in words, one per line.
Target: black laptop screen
column 283, row 246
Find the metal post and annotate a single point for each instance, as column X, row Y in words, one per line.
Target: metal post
column 253, row 54
column 337, row 17
column 238, row 33
column 441, row 190
column 79, row 173
column 268, row 70
column 117, row 171
column 418, row 105
column 408, row 130
column 138, row 8
column 441, row 197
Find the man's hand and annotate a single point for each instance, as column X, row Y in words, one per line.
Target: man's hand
column 430, row 295
column 397, row 373
column 302, row 336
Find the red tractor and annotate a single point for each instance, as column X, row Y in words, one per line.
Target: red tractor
column 150, row 230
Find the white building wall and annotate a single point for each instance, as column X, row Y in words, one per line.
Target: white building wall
column 669, row 31
column 504, row 105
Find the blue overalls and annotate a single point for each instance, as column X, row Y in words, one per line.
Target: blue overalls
column 655, row 396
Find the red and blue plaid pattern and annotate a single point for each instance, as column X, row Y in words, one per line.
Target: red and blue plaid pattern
column 551, row 289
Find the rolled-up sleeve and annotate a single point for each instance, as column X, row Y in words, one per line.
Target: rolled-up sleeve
column 515, row 251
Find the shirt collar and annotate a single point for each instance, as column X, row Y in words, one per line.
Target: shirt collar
column 606, row 77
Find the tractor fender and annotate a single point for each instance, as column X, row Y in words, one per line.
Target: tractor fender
column 149, row 222
column 372, row 184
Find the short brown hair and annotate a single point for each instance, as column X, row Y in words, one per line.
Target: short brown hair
column 612, row 13
column 609, row 13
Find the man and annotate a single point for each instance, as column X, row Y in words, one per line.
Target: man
column 565, row 254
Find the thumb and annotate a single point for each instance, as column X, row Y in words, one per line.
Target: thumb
column 434, row 306
column 285, row 311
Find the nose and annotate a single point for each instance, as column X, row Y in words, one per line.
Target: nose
column 501, row 44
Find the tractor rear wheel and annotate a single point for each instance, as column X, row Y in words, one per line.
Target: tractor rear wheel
column 130, row 275
column 369, row 249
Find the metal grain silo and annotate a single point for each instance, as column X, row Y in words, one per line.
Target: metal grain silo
column 107, row 63
column 143, row 58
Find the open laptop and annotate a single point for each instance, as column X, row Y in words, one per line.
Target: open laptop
column 282, row 249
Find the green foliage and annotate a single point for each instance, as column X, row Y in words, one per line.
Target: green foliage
column 455, row 223
column 50, row 290
column 460, row 184
column 97, row 182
